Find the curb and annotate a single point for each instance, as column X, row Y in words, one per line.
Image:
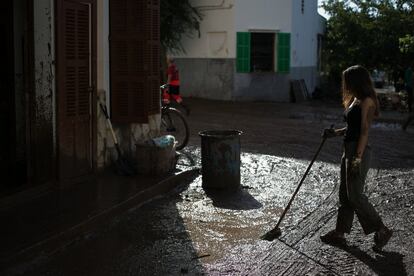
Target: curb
column 58, row 241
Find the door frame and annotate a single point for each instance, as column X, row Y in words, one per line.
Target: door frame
column 8, row 76
column 29, row 72
column 59, row 83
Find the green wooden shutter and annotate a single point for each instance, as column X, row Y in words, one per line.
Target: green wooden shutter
column 243, row 53
column 283, row 52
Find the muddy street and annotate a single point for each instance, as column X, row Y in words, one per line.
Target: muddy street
column 193, row 232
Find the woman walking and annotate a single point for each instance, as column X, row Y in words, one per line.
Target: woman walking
column 361, row 107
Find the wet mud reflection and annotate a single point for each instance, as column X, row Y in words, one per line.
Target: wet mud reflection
column 201, row 232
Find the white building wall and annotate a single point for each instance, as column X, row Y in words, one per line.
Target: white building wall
column 103, row 76
column 44, row 59
column 217, row 34
column 222, row 19
column 208, row 66
column 305, row 28
column 306, row 25
column 263, row 15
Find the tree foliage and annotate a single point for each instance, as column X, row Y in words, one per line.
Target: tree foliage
column 407, row 44
column 374, row 33
column 178, row 18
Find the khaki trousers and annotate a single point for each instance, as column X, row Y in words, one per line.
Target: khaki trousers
column 351, row 194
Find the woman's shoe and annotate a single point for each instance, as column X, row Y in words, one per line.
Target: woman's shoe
column 334, row 238
column 381, row 238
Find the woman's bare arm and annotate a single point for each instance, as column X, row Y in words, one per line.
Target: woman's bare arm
column 367, row 115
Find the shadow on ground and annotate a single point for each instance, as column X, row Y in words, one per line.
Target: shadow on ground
column 233, row 200
column 149, row 240
column 385, row 264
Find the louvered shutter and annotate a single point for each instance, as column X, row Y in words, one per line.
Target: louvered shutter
column 283, row 53
column 74, row 89
column 152, row 55
column 243, row 52
column 134, row 58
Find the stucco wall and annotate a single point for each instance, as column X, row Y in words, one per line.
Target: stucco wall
column 309, row 74
column 305, row 28
column 44, row 61
column 44, row 130
column 103, row 47
column 216, row 79
column 261, row 87
column 128, row 135
column 206, row 78
column 304, row 42
column 217, row 36
column 263, row 15
column 222, row 19
column 201, row 79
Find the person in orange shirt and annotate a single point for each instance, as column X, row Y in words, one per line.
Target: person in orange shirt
column 173, row 82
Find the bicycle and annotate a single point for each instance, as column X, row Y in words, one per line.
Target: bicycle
column 173, row 122
column 393, row 101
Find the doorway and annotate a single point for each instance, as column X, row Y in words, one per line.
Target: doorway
column 76, row 49
column 13, row 102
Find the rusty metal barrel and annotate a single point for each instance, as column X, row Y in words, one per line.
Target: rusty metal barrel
column 220, row 159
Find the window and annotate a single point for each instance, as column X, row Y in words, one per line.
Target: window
column 263, row 52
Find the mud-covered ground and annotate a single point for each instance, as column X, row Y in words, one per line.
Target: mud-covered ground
column 191, row 232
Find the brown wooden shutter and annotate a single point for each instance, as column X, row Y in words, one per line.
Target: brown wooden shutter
column 152, row 55
column 134, row 57
column 74, row 89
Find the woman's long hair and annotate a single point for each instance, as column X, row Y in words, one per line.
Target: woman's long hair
column 356, row 82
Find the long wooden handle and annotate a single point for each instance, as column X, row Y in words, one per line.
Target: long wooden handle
column 105, row 112
column 300, row 183
column 112, row 131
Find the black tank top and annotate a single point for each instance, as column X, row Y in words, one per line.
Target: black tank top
column 353, row 119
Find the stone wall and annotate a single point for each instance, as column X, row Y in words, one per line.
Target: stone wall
column 262, row 87
column 206, row 78
column 128, row 135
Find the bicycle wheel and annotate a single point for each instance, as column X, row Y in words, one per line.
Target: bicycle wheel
column 173, row 123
